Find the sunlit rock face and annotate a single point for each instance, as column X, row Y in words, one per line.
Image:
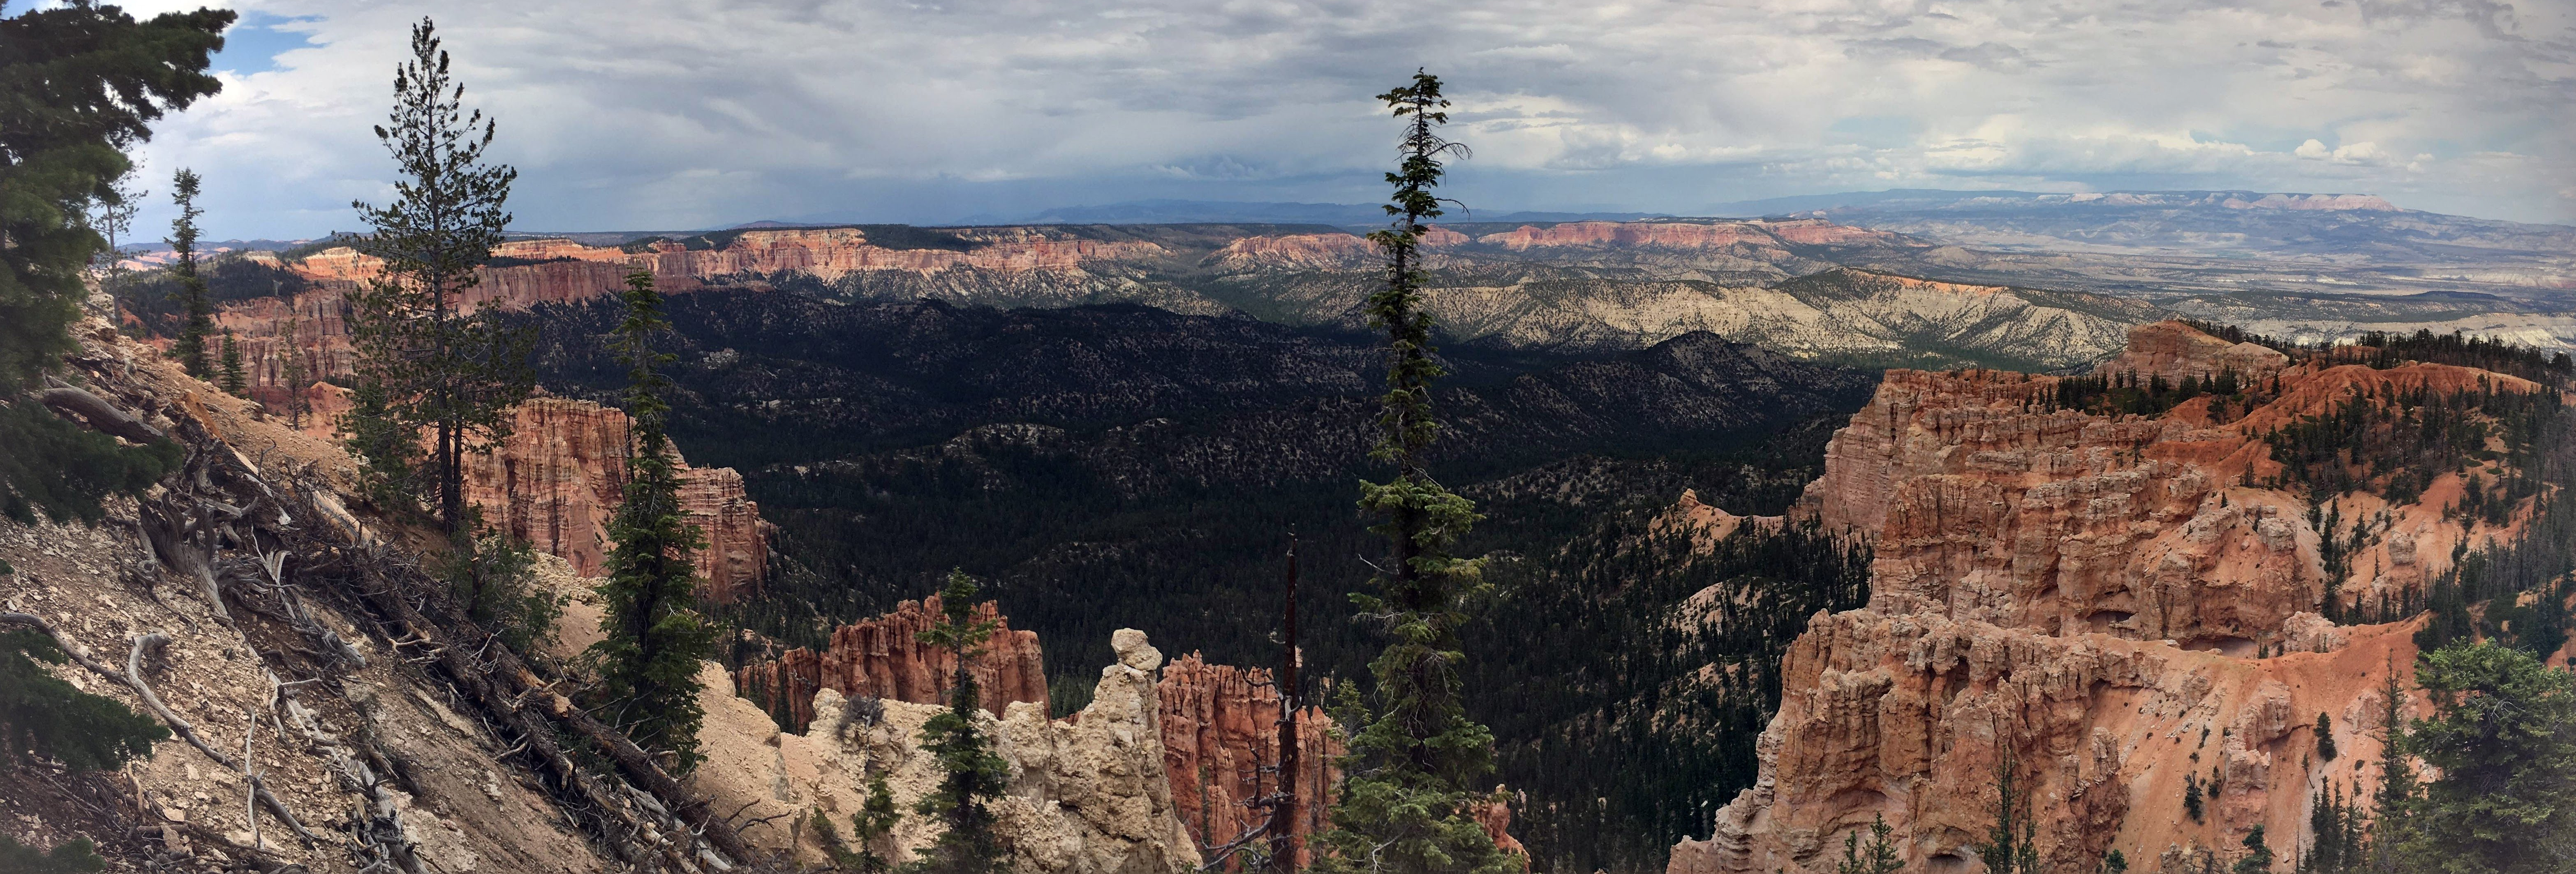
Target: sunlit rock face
column 2116, row 601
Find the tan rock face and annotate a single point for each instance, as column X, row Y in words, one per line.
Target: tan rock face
column 885, row 658
column 2092, row 593
column 1220, row 729
column 1088, row 794
column 1681, row 235
column 557, row 481
column 1904, row 716
column 2175, row 350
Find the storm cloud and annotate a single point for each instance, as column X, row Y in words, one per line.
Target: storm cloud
column 659, row 114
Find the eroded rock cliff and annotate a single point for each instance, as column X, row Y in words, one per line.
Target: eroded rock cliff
column 886, row 658
column 2124, row 602
column 1088, row 794
column 1220, row 728
column 557, row 480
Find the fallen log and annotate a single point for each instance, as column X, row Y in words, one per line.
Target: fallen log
column 104, row 416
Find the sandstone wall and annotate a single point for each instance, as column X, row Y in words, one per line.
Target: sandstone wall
column 1904, row 716
column 1220, row 728
column 884, row 658
column 2112, row 599
column 559, row 477
column 1088, row 794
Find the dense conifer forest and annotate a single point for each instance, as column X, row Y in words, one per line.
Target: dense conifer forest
column 1165, row 502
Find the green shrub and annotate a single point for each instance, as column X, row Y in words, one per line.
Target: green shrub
column 41, row 714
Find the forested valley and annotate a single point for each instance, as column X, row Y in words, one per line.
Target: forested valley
column 1121, row 466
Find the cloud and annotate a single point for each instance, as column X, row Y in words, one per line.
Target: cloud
column 674, row 114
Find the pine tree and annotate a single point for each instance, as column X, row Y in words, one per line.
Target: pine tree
column 2502, row 739
column 442, row 371
column 44, row 715
column 494, row 575
column 293, row 371
column 2010, row 846
column 74, row 856
column 2325, row 737
column 2338, row 829
column 875, row 820
column 191, row 347
column 387, row 450
column 113, row 216
column 1879, row 856
column 79, row 84
column 2388, row 824
column 2258, row 854
column 653, row 636
column 972, row 774
column 1410, row 772
column 235, row 382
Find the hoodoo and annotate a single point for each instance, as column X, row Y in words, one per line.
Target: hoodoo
column 2114, row 581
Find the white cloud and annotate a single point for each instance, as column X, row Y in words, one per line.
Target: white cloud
column 668, row 113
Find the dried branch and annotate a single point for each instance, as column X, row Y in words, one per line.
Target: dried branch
column 132, row 677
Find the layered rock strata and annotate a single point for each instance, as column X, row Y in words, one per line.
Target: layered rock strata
column 1220, row 727
column 1087, row 795
column 559, row 477
column 885, row 658
column 2174, row 350
column 2111, row 599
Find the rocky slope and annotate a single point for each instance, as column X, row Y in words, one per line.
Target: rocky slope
column 376, row 755
column 558, row 478
column 2114, row 599
column 284, row 632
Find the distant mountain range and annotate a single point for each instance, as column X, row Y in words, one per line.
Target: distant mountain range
column 2333, row 227
column 1348, row 215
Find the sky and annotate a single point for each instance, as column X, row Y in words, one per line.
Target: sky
column 680, row 114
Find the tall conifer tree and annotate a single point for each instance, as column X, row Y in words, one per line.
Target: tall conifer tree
column 2502, row 744
column 2010, row 847
column 236, row 381
column 439, row 369
column 2396, row 776
column 1411, row 769
column 79, row 84
column 972, row 775
column 199, row 312
column 654, row 637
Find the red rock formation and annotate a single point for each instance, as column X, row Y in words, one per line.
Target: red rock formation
column 1706, row 524
column 1901, row 716
column 2092, row 593
column 1496, row 816
column 1220, row 729
column 558, row 478
column 885, row 658
column 568, row 271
